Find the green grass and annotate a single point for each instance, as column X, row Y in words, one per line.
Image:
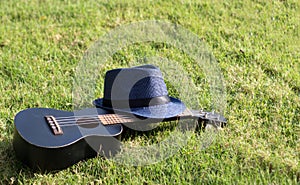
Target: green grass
column 256, row 44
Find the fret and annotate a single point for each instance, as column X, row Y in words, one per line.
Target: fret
column 110, row 119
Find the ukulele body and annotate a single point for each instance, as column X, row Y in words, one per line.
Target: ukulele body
column 36, row 144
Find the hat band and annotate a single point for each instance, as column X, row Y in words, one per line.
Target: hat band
column 134, row 103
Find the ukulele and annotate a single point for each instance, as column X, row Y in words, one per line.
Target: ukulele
column 47, row 139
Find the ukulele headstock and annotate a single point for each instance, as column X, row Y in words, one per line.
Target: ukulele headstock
column 209, row 117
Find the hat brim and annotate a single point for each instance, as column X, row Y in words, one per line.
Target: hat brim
column 168, row 110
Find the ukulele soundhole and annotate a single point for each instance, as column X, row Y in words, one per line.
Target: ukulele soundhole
column 87, row 122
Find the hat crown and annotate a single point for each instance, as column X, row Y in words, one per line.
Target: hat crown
column 142, row 82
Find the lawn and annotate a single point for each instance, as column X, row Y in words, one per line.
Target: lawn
column 255, row 44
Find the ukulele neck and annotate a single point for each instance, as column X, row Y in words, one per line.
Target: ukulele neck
column 111, row 119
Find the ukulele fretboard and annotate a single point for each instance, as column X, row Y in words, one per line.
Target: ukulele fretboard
column 111, row 119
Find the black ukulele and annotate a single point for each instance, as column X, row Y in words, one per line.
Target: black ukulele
column 48, row 139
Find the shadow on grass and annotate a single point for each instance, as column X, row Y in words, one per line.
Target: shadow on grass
column 163, row 127
column 10, row 167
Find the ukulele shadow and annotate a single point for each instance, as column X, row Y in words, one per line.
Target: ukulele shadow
column 10, row 167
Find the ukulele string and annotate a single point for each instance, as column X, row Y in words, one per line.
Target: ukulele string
column 75, row 118
column 68, row 117
column 75, row 121
column 85, row 120
column 90, row 116
column 79, row 124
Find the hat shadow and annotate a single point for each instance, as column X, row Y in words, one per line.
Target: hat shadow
column 163, row 127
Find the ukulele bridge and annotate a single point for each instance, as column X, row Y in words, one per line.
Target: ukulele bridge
column 53, row 125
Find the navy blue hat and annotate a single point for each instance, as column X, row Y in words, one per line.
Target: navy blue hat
column 140, row 91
